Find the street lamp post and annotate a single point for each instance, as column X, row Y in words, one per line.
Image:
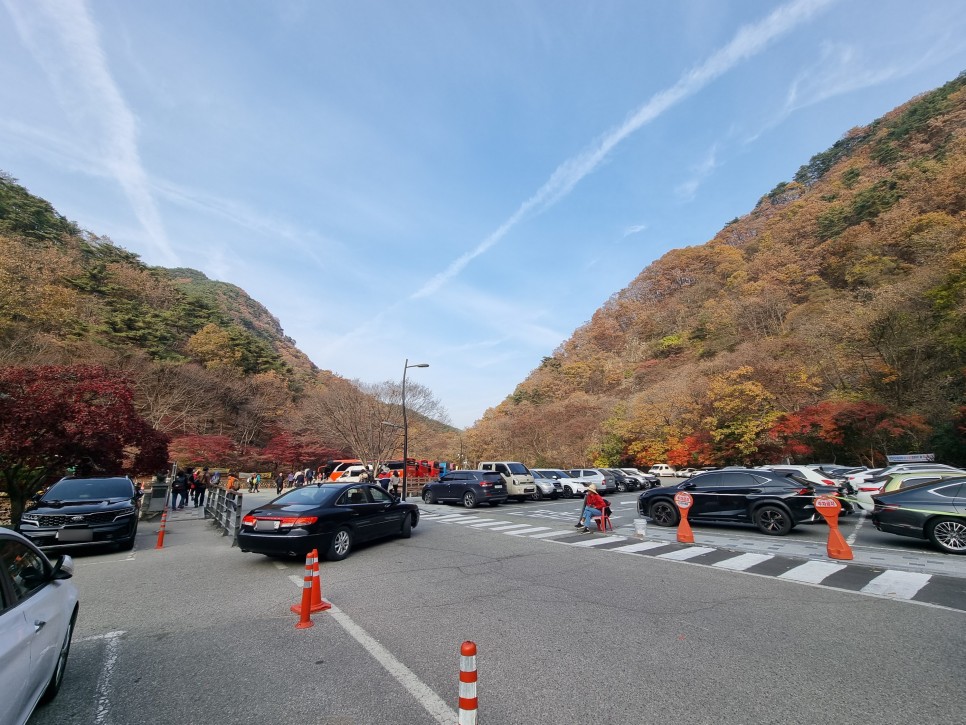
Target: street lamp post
column 406, row 427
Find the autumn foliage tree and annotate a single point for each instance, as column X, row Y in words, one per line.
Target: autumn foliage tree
column 57, row 417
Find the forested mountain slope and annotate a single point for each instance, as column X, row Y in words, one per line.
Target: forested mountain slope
column 830, row 322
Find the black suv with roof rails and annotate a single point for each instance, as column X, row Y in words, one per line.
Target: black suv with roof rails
column 774, row 502
column 78, row 512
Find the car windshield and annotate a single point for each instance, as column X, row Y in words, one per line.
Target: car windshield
column 555, row 473
column 89, row 489
column 518, row 468
column 310, row 495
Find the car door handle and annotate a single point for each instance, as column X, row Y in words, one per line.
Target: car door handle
column 38, row 625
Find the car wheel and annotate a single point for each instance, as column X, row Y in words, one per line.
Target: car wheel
column 469, row 500
column 568, row 492
column 773, row 520
column 58, row 675
column 537, row 494
column 407, row 527
column 429, row 497
column 341, row 545
column 948, row 534
column 663, row 513
column 621, row 487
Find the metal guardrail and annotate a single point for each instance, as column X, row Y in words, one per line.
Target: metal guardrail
column 224, row 508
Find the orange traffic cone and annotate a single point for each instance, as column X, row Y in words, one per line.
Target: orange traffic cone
column 318, row 604
column 684, row 501
column 837, row 547
column 164, row 519
column 305, row 616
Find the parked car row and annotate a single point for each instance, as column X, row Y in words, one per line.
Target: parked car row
column 774, row 501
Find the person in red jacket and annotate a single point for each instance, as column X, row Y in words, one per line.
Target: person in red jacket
column 594, row 505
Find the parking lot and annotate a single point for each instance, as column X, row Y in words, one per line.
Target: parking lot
column 567, row 629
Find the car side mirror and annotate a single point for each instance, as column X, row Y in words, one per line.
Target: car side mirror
column 63, row 567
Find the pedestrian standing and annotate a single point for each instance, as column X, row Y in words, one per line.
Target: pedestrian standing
column 309, row 476
column 279, row 482
column 300, row 479
column 291, row 479
column 258, row 480
column 179, row 489
column 232, row 482
column 202, row 487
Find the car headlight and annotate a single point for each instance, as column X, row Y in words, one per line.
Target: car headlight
column 33, row 518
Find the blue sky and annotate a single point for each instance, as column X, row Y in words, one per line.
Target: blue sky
column 457, row 183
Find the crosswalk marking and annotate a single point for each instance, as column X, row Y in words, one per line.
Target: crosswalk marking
column 549, row 534
column 507, row 527
column 521, row 532
column 597, row 542
column 742, row 562
column 684, row 554
column 897, row 585
column 812, row 572
column 901, row 584
column 642, row 546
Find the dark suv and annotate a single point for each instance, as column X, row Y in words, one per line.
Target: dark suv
column 84, row 512
column 774, row 502
column 470, row 487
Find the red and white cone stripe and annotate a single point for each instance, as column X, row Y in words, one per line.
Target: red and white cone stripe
column 468, row 701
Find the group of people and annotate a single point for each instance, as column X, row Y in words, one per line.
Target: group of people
column 191, row 484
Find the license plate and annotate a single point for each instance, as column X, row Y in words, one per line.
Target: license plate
column 266, row 525
column 498, row 486
column 75, row 535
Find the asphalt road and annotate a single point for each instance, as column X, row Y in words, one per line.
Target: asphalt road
column 198, row 632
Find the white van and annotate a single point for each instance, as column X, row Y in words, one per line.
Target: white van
column 518, row 479
column 662, row 469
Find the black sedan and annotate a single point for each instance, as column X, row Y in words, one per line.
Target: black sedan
column 934, row 511
column 468, row 487
column 332, row 518
column 83, row 512
column 773, row 502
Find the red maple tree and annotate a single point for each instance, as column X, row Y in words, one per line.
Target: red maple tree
column 81, row 417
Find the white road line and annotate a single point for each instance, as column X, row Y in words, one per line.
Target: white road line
column 598, row 542
column 527, row 531
column 550, row 534
column 627, row 503
column 297, row 580
column 486, row 523
column 812, row 572
column 469, row 519
column 642, row 546
column 855, row 532
column 450, row 517
column 102, row 698
column 899, row 584
column 745, row 561
column 507, row 527
column 431, row 702
column 684, row 554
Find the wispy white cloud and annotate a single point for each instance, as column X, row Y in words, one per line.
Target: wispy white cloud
column 701, row 171
column 747, row 42
column 634, row 229
column 63, row 39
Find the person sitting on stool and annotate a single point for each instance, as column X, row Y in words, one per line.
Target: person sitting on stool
column 594, row 505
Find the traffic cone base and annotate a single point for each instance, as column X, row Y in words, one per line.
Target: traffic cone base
column 685, row 535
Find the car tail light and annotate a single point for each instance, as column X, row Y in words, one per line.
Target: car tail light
column 887, row 506
column 298, row 521
column 485, row 484
column 868, row 489
column 828, row 482
column 248, row 520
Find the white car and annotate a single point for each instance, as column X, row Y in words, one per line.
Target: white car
column 865, row 490
column 806, row 472
column 571, row 486
column 38, row 610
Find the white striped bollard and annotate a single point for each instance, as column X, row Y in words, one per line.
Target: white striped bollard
column 468, row 702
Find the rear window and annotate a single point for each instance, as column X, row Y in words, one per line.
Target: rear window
column 492, row 477
column 309, row 495
column 89, row 489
